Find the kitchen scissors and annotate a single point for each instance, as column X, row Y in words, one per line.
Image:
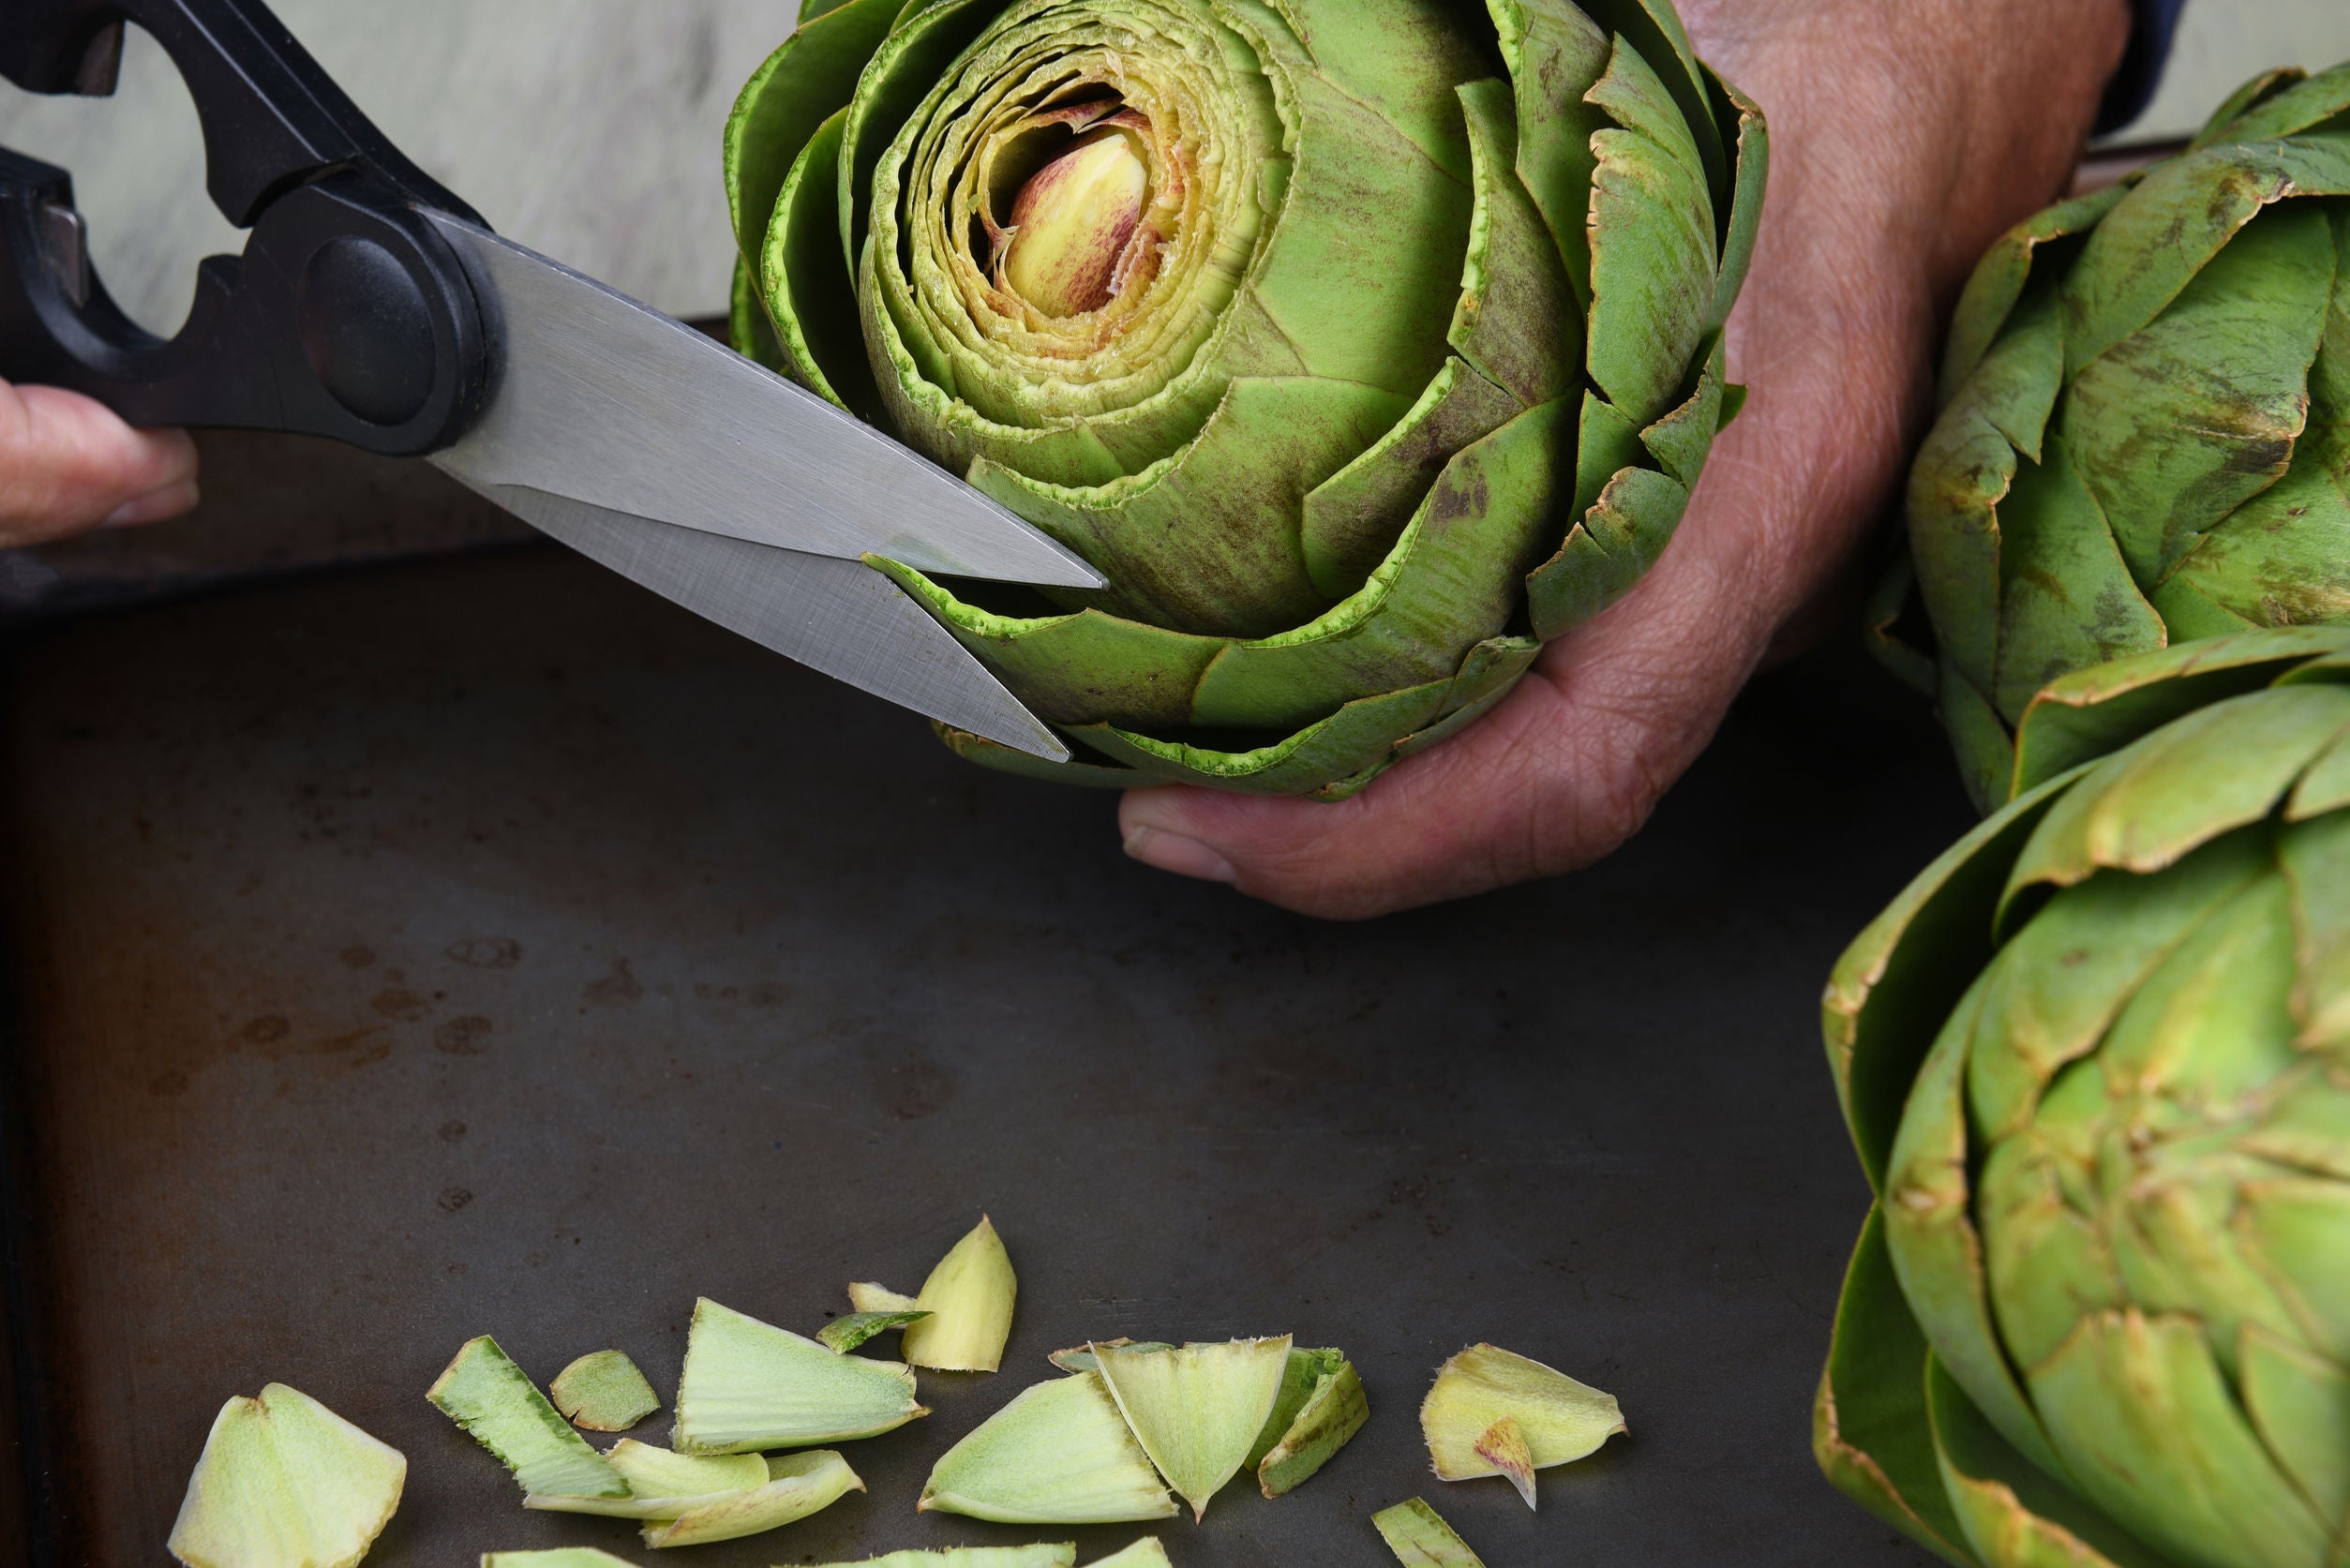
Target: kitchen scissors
column 373, row 305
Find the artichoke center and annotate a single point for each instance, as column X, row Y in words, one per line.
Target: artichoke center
column 1074, row 222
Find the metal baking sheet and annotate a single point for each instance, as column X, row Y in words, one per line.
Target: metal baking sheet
column 484, row 946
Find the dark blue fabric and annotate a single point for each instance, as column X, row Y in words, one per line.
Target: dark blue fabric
column 2132, row 86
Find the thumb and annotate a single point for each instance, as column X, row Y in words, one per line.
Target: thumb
column 70, row 463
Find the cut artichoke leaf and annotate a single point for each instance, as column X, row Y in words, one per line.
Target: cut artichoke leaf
column 662, row 1485
column 1558, row 1419
column 1063, row 1555
column 749, row 1385
column 1146, row 1553
column 844, row 1334
column 1060, row 1452
column 556, row 1557
column 603, row 1391
column 1321, row 1408
column 1197, row 1408
column 1081, row 1358
column 483, row 1391
column 283, row 1482
column 1421, row 1539
column 865, row 1296
column 966, row 1306
column 797, row 1485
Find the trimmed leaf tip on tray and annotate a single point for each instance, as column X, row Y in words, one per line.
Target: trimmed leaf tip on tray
column 1551, row 1418
column 1196, row 1408
column 283, row 1482
column 1420, row 1538
column 602, row 1392
column 750, row 1385
column 484, row 1392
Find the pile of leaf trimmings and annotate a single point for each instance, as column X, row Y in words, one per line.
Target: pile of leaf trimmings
column 747, row 1387
column 1105, row 1442
column 1145, row 1553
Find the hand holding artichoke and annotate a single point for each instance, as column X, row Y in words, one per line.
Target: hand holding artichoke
column 2094, row 1060
column 1363, row 348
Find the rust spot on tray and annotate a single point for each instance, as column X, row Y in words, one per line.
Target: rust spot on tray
column 618, row 986
column 463, row 1037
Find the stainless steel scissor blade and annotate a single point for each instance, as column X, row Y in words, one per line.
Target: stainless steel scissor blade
column 612, row 403
column 839, row 617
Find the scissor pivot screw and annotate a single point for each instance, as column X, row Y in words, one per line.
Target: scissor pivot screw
column 367, row 328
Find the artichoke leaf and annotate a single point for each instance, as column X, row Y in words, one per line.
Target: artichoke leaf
column 844, row 1334
column 2299, row 1402
column 965, row 1307
column 603, row 1391
column 1184, row 540
column 1893, row 990
column 2275, row 103
column 1607, row 551
column 2151, row 1432
column 1555, row 55
column 1743, row 222
column 750, row 1385
column 1351, row 520
column 1455, row 573
column 800, row 280
column 1653, row 240
column 749, row 328
column 662, row 1485
column 866, row 1296
column 1420, row 1538
column 2014, row 1515
column 1060, row 1452
column 2092, row 713
column 1060, row 1556
column 2180, row 217
column 2186, row 419
column 1869, row 1430
column 1559, row 1420
column 1517, row 322
column 1320, row 1407
column 2237, row 758
column 1936, row 1247
column 796, row 88
column 483, row 1391
column 1361, row 734
column 797, row 1485
column 2314, row 855
column 1998, row 282
column 1196, row 1409
column 555, row 1556
column 2068, row 600
column 283, row 1482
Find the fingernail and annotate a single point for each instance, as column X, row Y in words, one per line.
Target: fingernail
column 1172, row 852
column 153, row 507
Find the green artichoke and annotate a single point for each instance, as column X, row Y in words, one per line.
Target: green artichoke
column 2097, row 1064
column 2145, row 430
column 1361, row 346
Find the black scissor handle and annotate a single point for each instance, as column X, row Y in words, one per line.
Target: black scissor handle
column 271, row 118
column 348, row 315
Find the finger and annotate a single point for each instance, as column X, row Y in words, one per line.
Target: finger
column 68, row 463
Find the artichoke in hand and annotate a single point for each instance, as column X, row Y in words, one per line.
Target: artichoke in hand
column 1361, row 346
column 2097, row 1064
column 2145, row 431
